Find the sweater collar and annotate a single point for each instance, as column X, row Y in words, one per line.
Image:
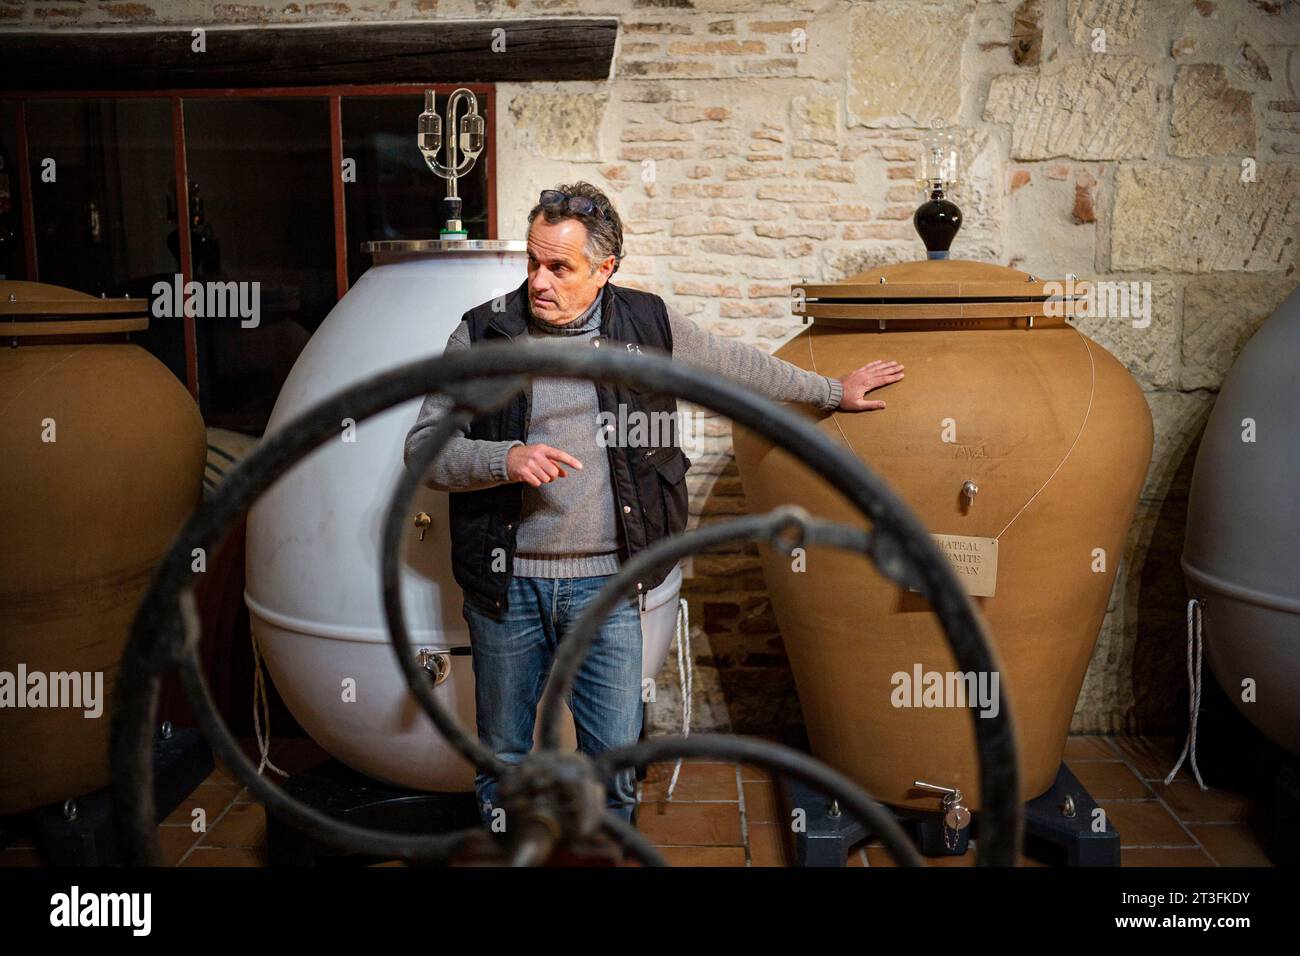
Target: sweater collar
column 588, row 321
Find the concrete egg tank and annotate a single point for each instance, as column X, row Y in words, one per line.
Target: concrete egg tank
column 1242, row 547
column 313, row 539
column 1009, row 425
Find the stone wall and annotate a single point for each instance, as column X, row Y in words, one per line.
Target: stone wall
column 749, row 144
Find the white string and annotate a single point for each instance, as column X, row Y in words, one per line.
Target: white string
column 261, row 697
column 1092, row 391
column 686, row 681
column 1194, row 690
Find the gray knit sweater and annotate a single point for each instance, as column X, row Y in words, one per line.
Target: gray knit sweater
column 568, row 527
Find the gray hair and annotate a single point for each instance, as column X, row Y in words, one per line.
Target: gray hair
column 604, row 227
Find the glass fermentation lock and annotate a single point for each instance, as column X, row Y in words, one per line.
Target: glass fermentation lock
column 469, row 143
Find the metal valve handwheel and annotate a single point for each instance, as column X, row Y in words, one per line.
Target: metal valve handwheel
column 552, row 788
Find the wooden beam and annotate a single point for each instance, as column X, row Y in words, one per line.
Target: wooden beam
column 451, row 51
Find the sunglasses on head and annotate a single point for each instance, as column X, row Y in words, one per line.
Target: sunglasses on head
column 581, row 205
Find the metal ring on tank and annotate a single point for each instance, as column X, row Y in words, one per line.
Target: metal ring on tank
column 411, row 246
column 165, row 629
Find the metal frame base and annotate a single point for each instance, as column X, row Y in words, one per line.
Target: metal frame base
column 341, row 792
column 180, row 763
column 336, row 789
column 1049, row 835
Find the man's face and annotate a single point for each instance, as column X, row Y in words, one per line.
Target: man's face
column 561, row 283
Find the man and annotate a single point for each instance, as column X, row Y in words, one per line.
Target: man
column 546, row 506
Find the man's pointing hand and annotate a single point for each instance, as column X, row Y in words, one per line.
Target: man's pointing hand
column 862, row 380
column 538, row 464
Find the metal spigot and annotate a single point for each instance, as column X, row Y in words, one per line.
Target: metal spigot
column 437, row 663
column 956, row 815
column 970, row 490
column 423, row 521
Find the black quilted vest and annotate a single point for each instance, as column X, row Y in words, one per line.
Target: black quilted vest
column 649, row 482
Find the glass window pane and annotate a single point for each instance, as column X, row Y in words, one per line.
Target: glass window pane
column 103, row 176
column 396, row 196
column 101, row 173
column 262, row 212
column 13, row 260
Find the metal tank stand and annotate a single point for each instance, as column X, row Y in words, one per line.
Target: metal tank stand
column 341, row 792
column 80, row 832
column 1233, row 755
column 1060, row 826
column 1066, row 818
column 826, row 832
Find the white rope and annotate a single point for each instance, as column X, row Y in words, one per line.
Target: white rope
column 686, row 681
column 1194, row 690
column 260, row 697
column 1087, row 414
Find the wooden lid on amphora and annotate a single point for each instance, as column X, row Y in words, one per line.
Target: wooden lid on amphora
column 941, row 294
column 39, row 309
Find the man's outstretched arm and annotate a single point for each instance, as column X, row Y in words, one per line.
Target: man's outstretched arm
column 464, row 464
column 776, row 378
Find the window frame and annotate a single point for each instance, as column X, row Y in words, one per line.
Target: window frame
column 333, row 94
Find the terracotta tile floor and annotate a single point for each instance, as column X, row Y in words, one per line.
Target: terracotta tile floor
column 724, row 815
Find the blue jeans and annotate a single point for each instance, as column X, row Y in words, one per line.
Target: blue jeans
column 512, row 660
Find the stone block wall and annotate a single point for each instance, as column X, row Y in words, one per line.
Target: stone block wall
column 749, row 144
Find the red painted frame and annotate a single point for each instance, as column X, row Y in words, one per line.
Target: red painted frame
column 334, row 94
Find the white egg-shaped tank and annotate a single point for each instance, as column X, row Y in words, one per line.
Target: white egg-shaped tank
column 1243, row 529
column 313, row 588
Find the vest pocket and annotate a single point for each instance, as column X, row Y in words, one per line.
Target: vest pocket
column 671, row 463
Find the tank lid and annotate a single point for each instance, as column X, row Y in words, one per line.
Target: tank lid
column 413, row 246
column 912, row 293
column 37, row 308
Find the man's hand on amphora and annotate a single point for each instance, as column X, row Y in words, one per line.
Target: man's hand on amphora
column 862, row 380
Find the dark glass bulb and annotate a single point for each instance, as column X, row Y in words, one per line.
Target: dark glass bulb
column 937, row 221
